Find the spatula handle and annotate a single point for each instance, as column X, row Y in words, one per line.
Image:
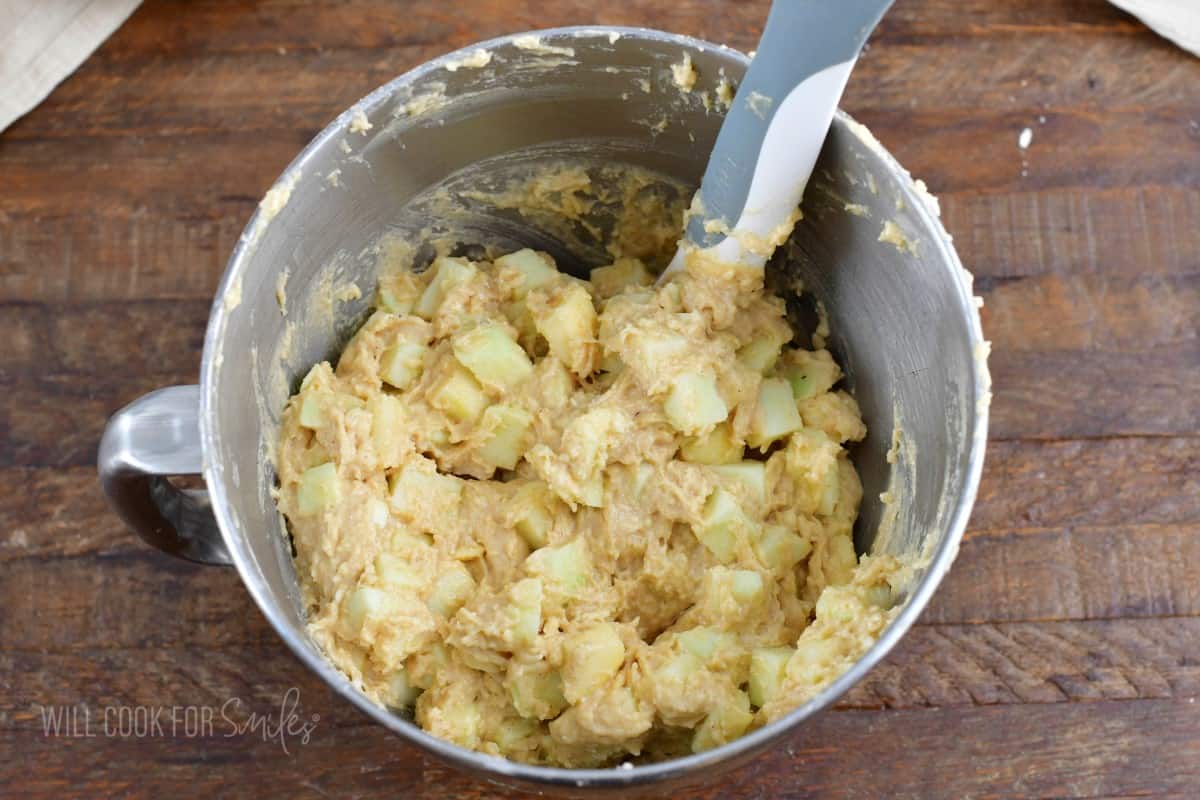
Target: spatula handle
column 772, row 135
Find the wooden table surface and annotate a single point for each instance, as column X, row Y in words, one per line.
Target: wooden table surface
column 1061, row 657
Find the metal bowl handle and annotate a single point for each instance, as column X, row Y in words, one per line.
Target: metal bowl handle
column 153, row 437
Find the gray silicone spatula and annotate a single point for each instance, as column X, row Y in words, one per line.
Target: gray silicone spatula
column 773, row 133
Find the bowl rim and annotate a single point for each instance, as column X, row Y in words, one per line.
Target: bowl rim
column 622, row 776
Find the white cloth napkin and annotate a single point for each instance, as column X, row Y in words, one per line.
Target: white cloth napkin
column 44, row 41
column 1177, row 20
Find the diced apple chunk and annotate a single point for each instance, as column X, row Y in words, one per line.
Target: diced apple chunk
column 811, row 460
column 401, row 693
column 727, row 596
column 536, row 269
column 364, row 604
column 316, row 407
column 530, row 514
column 881, row 596
column 679, row 670
column 813, row 659
column 453, row 587
column 568, row 566
column 775, row 416
column 399, row 292
column 447, row 273
column 380, row 516
column 642, row 474
column 414, row 488
column 508, row 428
column 394, row 573
column 359, row 605
column 407, row 542
column 318, row 489
column 387, row 429
column 525, row 612
column 515, row 735
column 841, row 560
column 724, row 723
column 610, row 280
column 538, row 695
column 722, row 524
column 694, row 404
column 588, row 437
column 402, row 362
column 554, row 383
column 567, row 319
column 517, row 314
column 705, row 643
column 320, row 376
column 718, row 446
column 831, row 488
column 809, row 373
column 611, row 364
column 750, row 474
column 760, row 354
column 590, row 659
column 657, row 351
column 746, row 586
column 458, row 395
column 361, row 354
column 768, row 668
column 591, row 491
column 493, row 356
column 424, row 665
column 840, row 606
column 835, row 413
column 312, row 409
column 781, row 549
column 461, row 724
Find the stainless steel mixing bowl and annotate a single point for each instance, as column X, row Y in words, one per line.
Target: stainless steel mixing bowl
column 904, row 324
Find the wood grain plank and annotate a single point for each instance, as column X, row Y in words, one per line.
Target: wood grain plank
column 66, row 432
column 139, row 337
column 61, row 513
column 58, row 513
column 1039, row 70
column 1040, row 395
column 183, row 177
column 1072, row 149
column 221, row 28
column 934, row 666
column 106, row 253
column 1133, row 231
column 1095, row 313
column 1057, row 394
column 1102, row 312
column 153, row 252
column 941, row 666
column 372, row 24
column 1072, row 572
column 257, row 674
column 1076, row 750
column 1074, row 356
column 1059, row 659
column 134, row 597
column 191, row 92
column 1097, row 482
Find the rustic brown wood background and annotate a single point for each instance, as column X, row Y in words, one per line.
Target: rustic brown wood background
column 1061, row 658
